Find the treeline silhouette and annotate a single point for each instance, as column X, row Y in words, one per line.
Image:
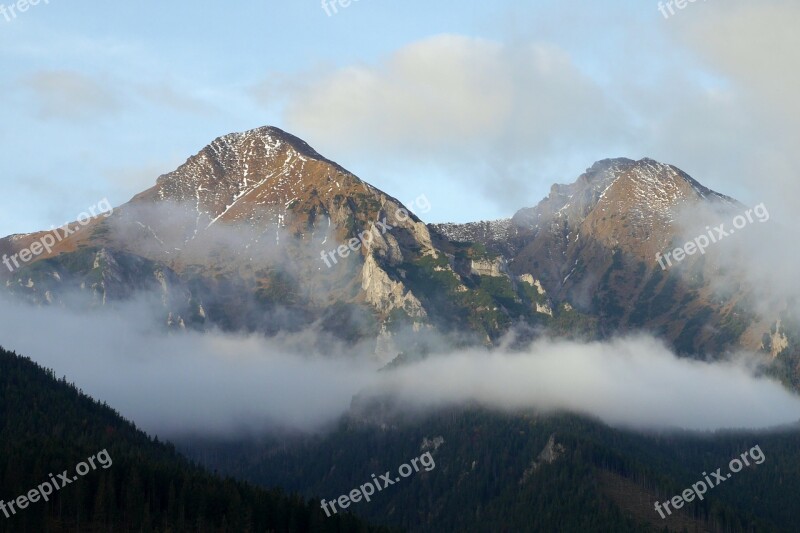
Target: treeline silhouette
column 48, row 426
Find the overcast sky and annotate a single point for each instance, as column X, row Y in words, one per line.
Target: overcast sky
column 496, row 100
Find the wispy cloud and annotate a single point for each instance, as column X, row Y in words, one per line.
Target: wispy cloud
column 175, row 99
column 70, row 95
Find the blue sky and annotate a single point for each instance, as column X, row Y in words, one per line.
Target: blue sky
column 479, row 106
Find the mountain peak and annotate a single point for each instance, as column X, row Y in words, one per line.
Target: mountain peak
column 620, row 201
column 239, row 175
column 649, row 172
column 605, row 165
column 271, row 136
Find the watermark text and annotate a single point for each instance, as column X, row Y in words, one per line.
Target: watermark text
column 45, row 490
column 368, row 489
column 716, row 234
column 709, row 482
column 50, row 239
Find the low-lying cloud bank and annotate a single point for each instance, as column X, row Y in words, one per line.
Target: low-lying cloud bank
column 218, row 384
column 633, row 382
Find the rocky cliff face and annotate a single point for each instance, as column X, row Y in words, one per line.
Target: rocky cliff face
column 495, row 268
column 387, row 295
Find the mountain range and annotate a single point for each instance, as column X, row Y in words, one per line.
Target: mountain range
column 236, row 238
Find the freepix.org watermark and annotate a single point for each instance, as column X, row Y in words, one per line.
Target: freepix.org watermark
column 331, row 7
column 668, row 6
column 365, row 238
column 714, row 235
column 368, row 489
column 43, row 491
column 709, row 482
column 9, row 12
column 49, row 240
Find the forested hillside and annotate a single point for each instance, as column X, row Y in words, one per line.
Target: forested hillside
column 47, row 426
column 507, row 473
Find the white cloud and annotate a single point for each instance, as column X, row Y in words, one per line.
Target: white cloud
column 483, row 109
column 218, row 384
column 755, row 47
column 634, row 382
